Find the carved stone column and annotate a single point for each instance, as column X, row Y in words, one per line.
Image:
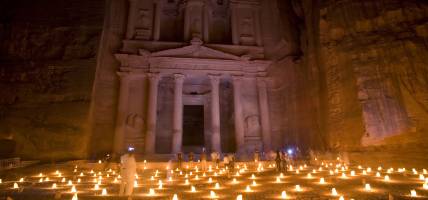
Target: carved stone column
column 215, row 113
column 264, row 113
column 152, row 113
column 130, row 30
column 177, row 124
column 156, row 28
column 122, row 112
column 235, row 31
column 239, row 122
column 258, row 27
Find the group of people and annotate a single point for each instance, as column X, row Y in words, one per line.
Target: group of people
column 228, row 160
column 281, row 161
column 128, row 165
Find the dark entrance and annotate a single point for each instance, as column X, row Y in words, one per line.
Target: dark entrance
column 193, row 128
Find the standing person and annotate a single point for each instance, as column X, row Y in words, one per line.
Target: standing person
column 284, row 160
column 191, row 157
column 203, row 160
column 278, row 161
column 232, row 163
column 128, row 169
column 226, row 162
column 179, row 160
column 256, row 156
column 214, row 158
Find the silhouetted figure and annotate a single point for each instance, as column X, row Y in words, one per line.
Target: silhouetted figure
column 278, row 161
column 179, row 160
column 128, row 167
column 284, row 161
column 215, row 158
column 203, row 160
column 191, row 158
column 256, row 155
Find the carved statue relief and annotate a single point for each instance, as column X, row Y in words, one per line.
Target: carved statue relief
column 195, row 27
column 134, row 124
column 247, row 26
column 252, row 125
column 144, row 18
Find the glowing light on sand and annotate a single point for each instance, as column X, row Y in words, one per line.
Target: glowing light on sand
column 352, row 173
column 40, row 180
column 377, row 174
column 213, row 195
column 425, row 186
column 253, row 176
column 63, row 180
column 15, row 186
column 421, row 177
column 283, row 195
column 21, row 180
column 74, row 197
column 115, row 180
column 234, row 181
column 1, row 181
column 70, row 183
column 104, row 192
column 54, row 186
column 217, row 186
column 210, row 180
column 192, row 189
column 254, row 183
column 248, row 189
column 135, row 183
column 367, row 187
column 413, row 193
column 309, row 175
column 298, row 188
column 344, row 175
column 322, row 181
column 239, row 197
column 151, row 192
column 386, row 178
column 341, row 198
column 96, row 187
column 278, row 180
column 364, row 172
column 73, row 189
column 333, row 192
column 186, row 182
column 175, row 197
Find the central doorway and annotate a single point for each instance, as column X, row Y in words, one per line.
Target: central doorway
column 193, row 128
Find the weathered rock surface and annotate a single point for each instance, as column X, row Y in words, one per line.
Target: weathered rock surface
column 47, row 64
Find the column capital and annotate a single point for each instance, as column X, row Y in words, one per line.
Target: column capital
column 178, row 77
column 237, row 77
column 153, row 76
column 214, row 78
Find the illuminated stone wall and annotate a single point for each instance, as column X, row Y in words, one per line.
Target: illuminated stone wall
column 47, row 64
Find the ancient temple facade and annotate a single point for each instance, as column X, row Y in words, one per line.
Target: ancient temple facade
column 192, row 75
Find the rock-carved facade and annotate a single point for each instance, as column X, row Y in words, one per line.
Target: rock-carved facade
column 206, row 53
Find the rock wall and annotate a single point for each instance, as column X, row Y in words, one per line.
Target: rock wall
column 350, row 75
column 378, row 50
column 47, row 65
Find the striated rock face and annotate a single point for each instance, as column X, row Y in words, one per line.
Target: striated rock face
column 360, row 80
column 376, row 72
column 47, row 64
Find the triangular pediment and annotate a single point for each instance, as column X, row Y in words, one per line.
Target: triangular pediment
column 195, row 50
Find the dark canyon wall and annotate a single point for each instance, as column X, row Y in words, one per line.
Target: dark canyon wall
column 47, row 66
column 374, row 53
column 363, row 66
